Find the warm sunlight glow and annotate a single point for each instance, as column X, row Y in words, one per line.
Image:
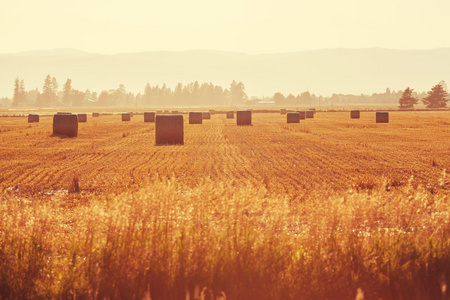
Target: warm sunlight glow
column 249, row 26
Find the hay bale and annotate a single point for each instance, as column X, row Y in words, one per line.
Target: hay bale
column 195, row 117
column 244, row 117
column 166, row 112
column 82, row 118
column 212, row 111
column 382, row 117
column 159, row 111
column 33, row 118
column 149, row 116
column 95, row 115
column 169, row 129
column 309, row 114
column 175, row 112
column 293, row 117
column 126, row 117
column 230, row 114
column 283, row 111
column 302, row 114
column 65, row 124
column 131, row 114
column 207, row 115
column 354, row 114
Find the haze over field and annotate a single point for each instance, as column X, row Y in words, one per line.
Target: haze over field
column 271, row 46
column 323, row 72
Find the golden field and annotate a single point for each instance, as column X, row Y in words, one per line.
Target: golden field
column 331, row 208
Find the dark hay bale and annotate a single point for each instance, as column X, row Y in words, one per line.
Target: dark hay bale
column 95, row 115
column 207, row 115
column 169, row 130
column 149, row 116
column 82, row 118
column 382, row 117
column 283, row 111
column 302, row 114
column 354, row 114
column 293, row 117
column 230, row 114
column 244, row 117
column 195, row 117
column 126, row 117
column 33, row 118
column 175, row 112
column 65, row 124
column 309, row 114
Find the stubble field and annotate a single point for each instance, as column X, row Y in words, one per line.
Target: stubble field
column 331, row 208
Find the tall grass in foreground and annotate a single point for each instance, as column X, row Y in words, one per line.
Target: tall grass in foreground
column 167, row 240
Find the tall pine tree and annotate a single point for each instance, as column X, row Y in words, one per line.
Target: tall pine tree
column 407, row 101
column 437, row 97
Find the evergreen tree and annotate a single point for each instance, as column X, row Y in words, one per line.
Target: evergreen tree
column 67, row 92
column 147, row 94
column 437, row 97
column 48, row 96
column 20, row 94
column 16, row 97
column 407, row 101
column 237, row 93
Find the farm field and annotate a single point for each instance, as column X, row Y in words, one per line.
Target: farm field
column 331, row 208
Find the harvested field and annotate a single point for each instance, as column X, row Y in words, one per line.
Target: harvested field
column 315, row 210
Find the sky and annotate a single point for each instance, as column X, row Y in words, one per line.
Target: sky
column 248, row 26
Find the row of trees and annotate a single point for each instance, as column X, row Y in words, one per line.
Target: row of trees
column 436, row 98
column 207, row 94
column 190, row 94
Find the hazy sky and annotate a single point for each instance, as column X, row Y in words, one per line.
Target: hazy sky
column 251, row 26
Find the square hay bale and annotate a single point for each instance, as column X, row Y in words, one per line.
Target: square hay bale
column 212, row 111
column 33, row 118
column 354, row 114
column 195, row 117
column 309, row 114
column 293, row 117
column 244, row 117
column 283, row 111
column 166, row 112
column 169, row 130
column 149, row 116
column 302, row 114
column 95, row 115
column 175, row 112
column 159, row 111
column 126, row 117
column 207, row 115
column 230, row 114
column 82, row 118
column 131, row 114
column 65, row 124
column 382, row 117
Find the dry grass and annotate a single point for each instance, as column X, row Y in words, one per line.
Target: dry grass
column 255, row 212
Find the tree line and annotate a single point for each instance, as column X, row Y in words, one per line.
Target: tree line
column 190, row 94
column 196, row 94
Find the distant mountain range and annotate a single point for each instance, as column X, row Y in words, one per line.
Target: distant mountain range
column 327, row 71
